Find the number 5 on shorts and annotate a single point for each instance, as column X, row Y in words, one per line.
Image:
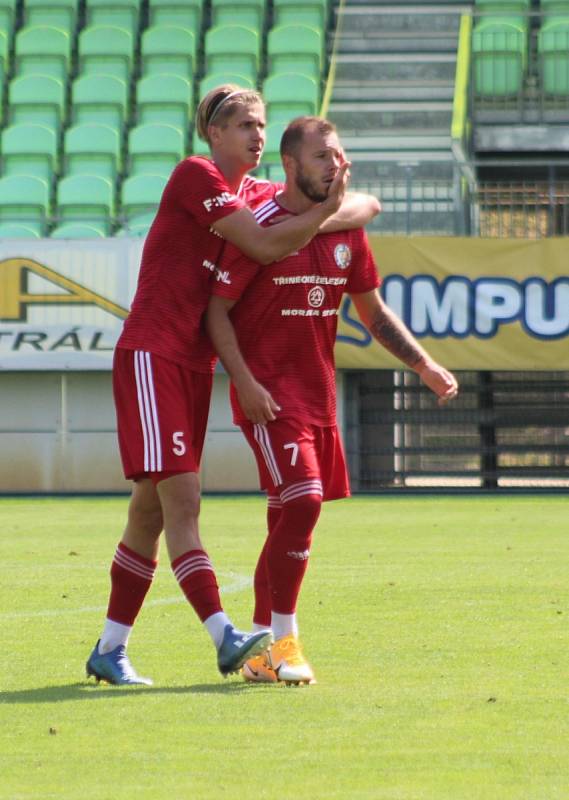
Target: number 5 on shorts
column 294, row 454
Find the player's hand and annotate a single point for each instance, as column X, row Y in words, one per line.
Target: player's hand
column 338, row 187
column 257, row 403
column 442, row 382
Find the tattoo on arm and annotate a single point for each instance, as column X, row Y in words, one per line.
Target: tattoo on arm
column 395, row 337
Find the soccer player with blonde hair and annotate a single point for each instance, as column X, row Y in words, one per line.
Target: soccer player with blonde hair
column 163, row 366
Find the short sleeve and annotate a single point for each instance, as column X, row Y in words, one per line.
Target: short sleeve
column 364, row 274
column 201, row 190
column 234, row 273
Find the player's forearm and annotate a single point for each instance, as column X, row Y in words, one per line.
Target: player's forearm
column 356, row 211
column 294, row 233
column 391, row 333
column 222, row 334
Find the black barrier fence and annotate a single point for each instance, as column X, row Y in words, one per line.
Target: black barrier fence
column 506, row 430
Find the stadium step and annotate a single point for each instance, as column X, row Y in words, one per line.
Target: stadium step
column 408, row 67
column 398, row 141
column 387, row 90
column 393, row 96
column 366, row 116
column 399, row 18
column 395, row 165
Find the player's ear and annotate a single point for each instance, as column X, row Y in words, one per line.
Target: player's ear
column 288, row 162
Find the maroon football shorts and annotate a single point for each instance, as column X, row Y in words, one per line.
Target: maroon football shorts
column 297, row 458
column 162, row 410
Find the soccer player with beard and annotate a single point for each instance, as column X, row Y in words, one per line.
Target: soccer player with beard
column 274, row 329
column 163, row 365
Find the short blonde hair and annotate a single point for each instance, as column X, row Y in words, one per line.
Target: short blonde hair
column 221, row 103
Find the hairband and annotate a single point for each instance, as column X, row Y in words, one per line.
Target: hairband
column 225, row 99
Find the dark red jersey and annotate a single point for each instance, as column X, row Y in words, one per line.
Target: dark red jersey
column 179, row 261
column 287, row 315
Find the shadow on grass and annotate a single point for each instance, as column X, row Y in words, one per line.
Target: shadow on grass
column 92, row 691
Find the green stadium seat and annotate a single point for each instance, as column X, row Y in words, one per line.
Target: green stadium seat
column 60, row 14
column 77, row 230
column 8, row 16
column 167, row 48
column 288, row 95
column 92, row 149
column 38, row 99
column 99, row 98
column 24, row 200
column 165, row 99
column 273, row 172
column 14, row 231
column 499, row 57
column 199, row 147
column 155, row 149
column 183, row 13
column 29, row 149
column 233, row 48
column 123, row 14
column 86, row 198
column 42, row 50
column 140, row 200
column 295, row 48
column 301, row 12
column 106, row 50
column 271, row 153
column 250, row 13
column 209, row 82
column 4, row 56
column 553, row 51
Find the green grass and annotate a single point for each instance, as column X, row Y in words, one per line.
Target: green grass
column 437, row 628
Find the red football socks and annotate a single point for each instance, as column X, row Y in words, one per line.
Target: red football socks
column 131, row 578
column 194, row 572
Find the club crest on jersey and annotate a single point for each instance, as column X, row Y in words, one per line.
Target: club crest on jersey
column 342, row 256
column 316, row 296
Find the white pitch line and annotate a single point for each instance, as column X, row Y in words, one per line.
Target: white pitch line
column 238, row 583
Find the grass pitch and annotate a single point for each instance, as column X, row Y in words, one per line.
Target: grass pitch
column 437, row 628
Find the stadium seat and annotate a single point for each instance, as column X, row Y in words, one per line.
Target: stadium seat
column 4, row 56
column 502, row 7
column 155, row 149
column 295, row 48
column 29, row 149
column 165, row 99
column 15, row 231
column 209, row 82
column 60, row 14
column 37, row 99
column 233, row 48
column 183, row 13
column 92, row 149
column 301, row 12
column 140, row 200
column 250, row 13
column 77, row 230
column 106, row 50
column 499, row 56
column 8, row 16
column 271, row 153
column 123, row 14
column 289, row 95
column 167, row 48
column 99, row 98
column 86, row 198
column 24, row 200
column 199, row 147
column 42, row 50
column 553, row 51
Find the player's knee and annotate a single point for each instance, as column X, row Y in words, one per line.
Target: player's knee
column 146, row 518
column 305, row 510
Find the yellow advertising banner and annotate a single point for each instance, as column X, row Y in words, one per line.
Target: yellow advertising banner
column 498, row 304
